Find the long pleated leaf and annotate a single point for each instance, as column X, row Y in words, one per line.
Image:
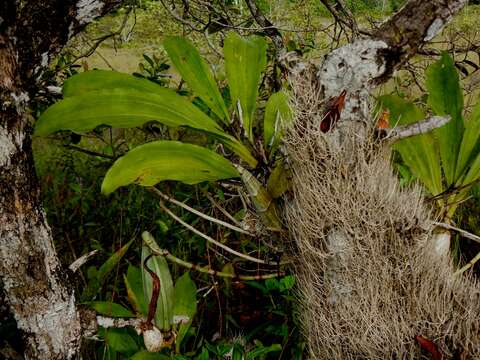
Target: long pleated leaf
column 245, row 60
column 196, row 74
column 470, row 148
column 123, row 108
column 419, row 153
column 165, row 303
column 156, row 161
column 446, row 98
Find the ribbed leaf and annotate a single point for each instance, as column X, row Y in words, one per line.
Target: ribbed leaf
column 95, row 80
column 245, row 60
column 446, row 98
column 123, row 108
column 470, row 147
column 277, row 116
column 419, row 153
column 196, row 74
column 156, row 161
column 185, row 306
column 158, row 264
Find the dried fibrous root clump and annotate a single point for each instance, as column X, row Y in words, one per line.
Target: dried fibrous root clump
column 368, row 277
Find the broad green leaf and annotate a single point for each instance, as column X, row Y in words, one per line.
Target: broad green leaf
column 196, row 74
column 112, row 261
column 145, row 355
column 263, row 202
column 89, row 81
column 110, row 309
column 134, row 285
column 165, row 303
column 245, row 60
column 446, row 98
column 185, row 306
column 120, row 340
column 279, row 180
column 123, row 108
column 278, row 115
column 469, row 149
column 419, row 153
column 156, row 161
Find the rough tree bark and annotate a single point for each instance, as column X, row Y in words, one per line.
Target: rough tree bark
column 36, row 287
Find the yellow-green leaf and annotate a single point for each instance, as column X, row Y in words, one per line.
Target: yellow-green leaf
column 153, row 162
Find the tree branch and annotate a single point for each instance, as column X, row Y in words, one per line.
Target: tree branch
column 417, row 128
column 267, row 26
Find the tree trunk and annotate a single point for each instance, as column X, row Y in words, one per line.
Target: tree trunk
column 36, row 287
column 33, row 279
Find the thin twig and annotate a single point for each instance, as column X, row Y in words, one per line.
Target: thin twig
column 77, row 264
column 89, row 152
column 462, row 232
column 108, row 322
column 271, row 31
column 417, row 128
column 211, row 240
column 155, row 249
column 222, row 210
column 198, row 213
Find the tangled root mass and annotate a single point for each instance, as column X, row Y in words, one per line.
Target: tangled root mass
column 368, row 277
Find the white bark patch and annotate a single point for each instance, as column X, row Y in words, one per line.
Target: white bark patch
column 436, row 26
column 351, row 67
column 20, row 101
column 87, row 10
column 7, row 146
column 45, row 59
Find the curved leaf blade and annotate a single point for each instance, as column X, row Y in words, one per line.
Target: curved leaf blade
column 123, row 108
column 245, row 60
column 156, row 161
column 446, row 98
column 196, row 74
column 470, row 146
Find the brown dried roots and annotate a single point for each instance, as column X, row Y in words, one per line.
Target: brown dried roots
column 367, row 274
